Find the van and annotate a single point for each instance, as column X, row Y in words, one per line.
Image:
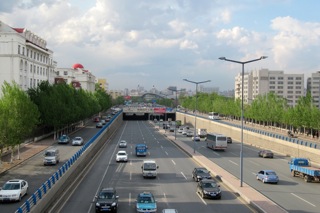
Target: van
column 51, row 156
column 149, row 169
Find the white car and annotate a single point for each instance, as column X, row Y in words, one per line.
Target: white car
column 196, row 138
column 13, row 190
column 180, row 130
column 122, row 144
column 190, row 133
column 184, row 132
column 122, row 156
column 77, row 141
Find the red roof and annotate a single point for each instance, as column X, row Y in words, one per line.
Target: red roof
column 19, row 30
column 76, row 66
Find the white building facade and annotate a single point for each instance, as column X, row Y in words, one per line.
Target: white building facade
column 24, row 58
column 263, row 81
column 314, row 88
column 77, row 76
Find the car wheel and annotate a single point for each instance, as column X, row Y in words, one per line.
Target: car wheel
column 202, row 194
column 263, row 181
column 257, row 177
column 20, row 198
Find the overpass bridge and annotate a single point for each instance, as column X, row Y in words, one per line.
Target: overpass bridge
column 148, row 113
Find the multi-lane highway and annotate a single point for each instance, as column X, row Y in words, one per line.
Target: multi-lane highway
column 292, row 193
column 173, row 188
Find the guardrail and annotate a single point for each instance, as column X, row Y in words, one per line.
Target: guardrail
column 274, row 135
column 47, row 185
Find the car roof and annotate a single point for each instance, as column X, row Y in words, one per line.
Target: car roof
column 169, row 211
column 122, row 151
column 145, row 194
column 15, row 181
column 268, row 170
column 208, row 181
column 200, row 168
column 108, row 189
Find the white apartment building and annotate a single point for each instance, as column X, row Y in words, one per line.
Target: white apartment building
column 24, row 58
column 313, row 85
column 77, row 76
column 258, row 82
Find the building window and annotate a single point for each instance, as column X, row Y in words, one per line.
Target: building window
column 280, row 78
column 27, row 52
column 290, row 87
column 298, row 78
column 290, row 82
column 18, row 49
column 22, row 50
column 272, row 82
column 280, row 82
column 298, row 92
column 65, row 72
column 30, row 53
column 280, row 92
column 272, row 87
column 290, row 92
column 290, row 78
column 297, row 87
column 280, row 87
column 272, row 78
column 298, row 82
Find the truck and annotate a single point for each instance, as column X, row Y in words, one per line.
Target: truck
column 202, row 133
column 301, row 167
column 149, row 169
column 216, row 141
column 141, row 149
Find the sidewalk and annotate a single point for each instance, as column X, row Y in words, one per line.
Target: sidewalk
column 26, row 152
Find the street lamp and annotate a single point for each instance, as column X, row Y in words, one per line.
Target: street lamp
column 195, row 111
column 242, row 74
column 175, row 126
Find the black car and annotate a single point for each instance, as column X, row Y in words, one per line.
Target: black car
column 229, row 140
column 107, row 200
column 200, row 174
column 209, row 189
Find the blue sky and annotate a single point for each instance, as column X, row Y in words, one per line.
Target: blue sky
column 160, row 42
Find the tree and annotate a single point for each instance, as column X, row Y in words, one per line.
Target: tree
column 20, row 116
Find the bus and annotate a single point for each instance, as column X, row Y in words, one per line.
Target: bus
column 141, row 149
column 216, row 141
column 213, row 116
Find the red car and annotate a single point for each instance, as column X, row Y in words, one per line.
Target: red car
column 96, row 119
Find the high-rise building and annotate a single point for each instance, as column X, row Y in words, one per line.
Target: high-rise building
column 263, row 81
column 24, row 58
column 313, row 86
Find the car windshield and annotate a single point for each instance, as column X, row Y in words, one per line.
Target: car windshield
column 145, row 200
column 106, row 195
column 150, row 166
column 77, row 139
column 11, row 186
column 202, row 171
column 122, row 153
column 49, row 154
column 209, row 185
column 270, row 173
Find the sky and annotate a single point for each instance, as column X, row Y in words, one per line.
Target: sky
column 158, row 43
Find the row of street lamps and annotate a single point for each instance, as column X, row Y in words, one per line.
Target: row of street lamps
column 242, row 108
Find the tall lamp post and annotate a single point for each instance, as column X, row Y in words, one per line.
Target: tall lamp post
column 242, row 74
column 195, row 111
column 175, row 127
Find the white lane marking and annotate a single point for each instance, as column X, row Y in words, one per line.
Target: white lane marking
column 157, row 141
column 217, row 154
column 161, row 147
column 233, row 153
column 173, row 162
column 184, row 175
column 303, row 199
column 166, row 152
column 254, row 163
column 130, row 175
column 284, row 160
column 203, row 201
column 129, row 199
column 233, row 162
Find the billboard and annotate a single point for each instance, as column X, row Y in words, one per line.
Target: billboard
column 159, row 110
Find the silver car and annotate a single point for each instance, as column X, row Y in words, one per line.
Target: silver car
column 77, row 141
column 123, row 144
